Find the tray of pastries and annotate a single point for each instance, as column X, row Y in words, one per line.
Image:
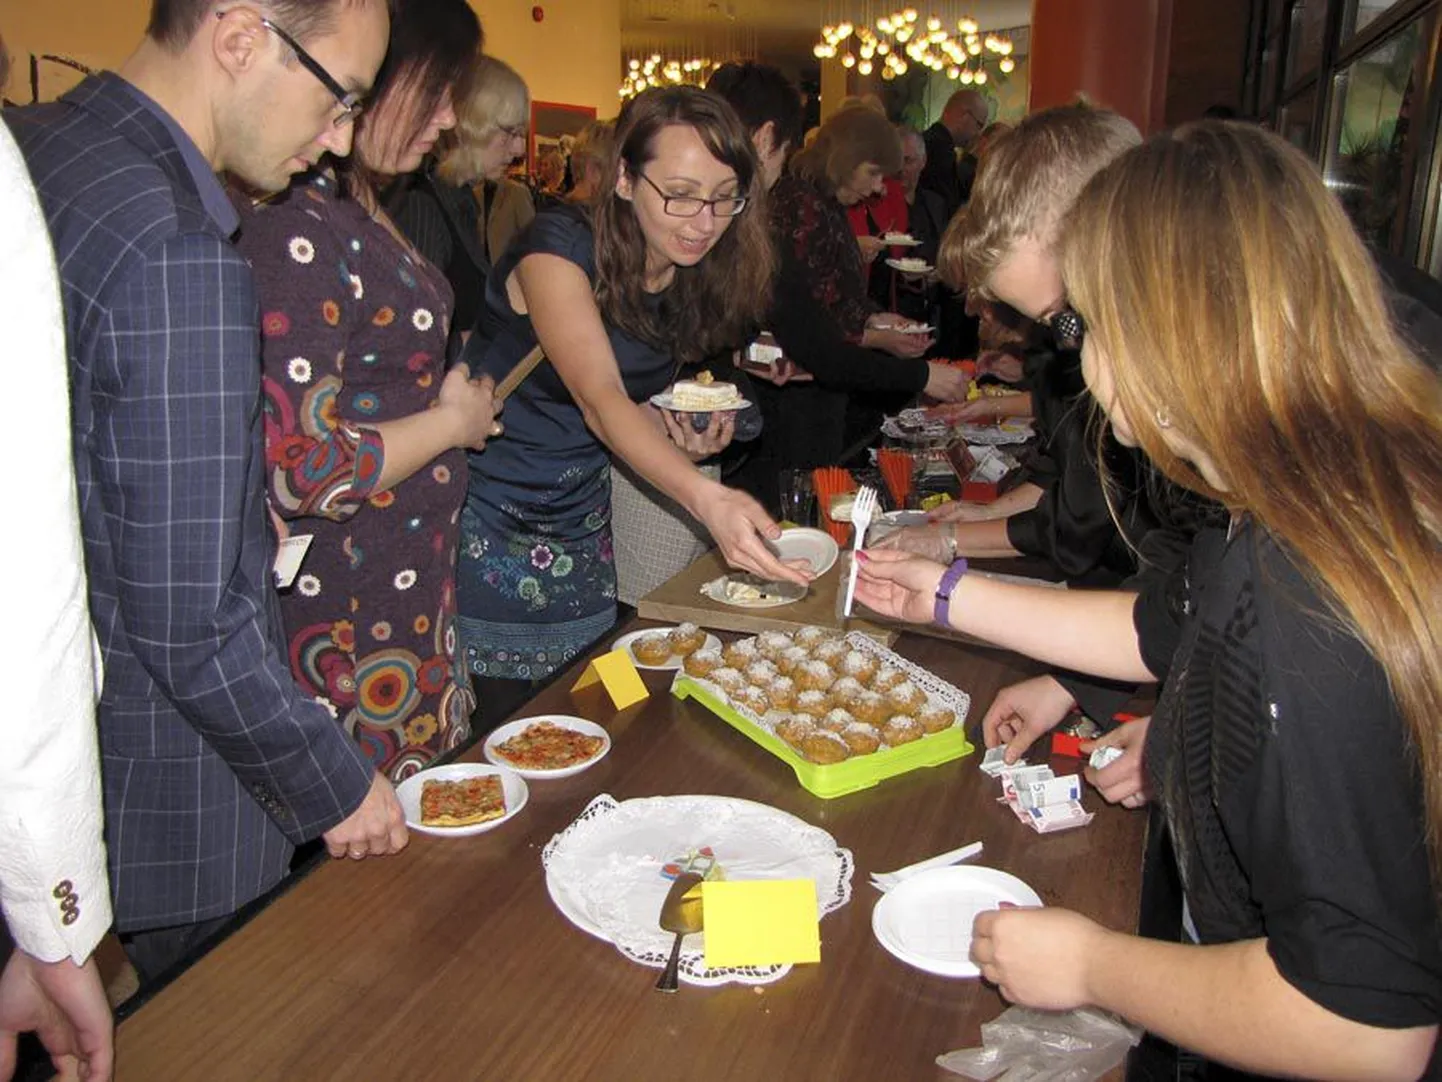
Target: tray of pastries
column 844, row 712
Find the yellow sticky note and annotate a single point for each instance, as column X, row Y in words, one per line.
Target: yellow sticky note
column 617, row 674
column 760, row 922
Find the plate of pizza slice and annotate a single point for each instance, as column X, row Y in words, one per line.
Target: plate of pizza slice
column 547, row 746
column 461, row 799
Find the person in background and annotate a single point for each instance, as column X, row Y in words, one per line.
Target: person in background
column 589, row 156
column 820, row 314
column 950, row 163
column 672, row 266
column 446, row 208
column 215, row 764
column 1295, row 750
column 549, row 181
column 53, row 888
column 918, row 296
column 366, row 429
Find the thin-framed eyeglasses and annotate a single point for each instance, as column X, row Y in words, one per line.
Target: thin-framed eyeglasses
column 689, row 206
column 351, row 102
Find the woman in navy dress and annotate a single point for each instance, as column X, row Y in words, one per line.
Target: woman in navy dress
column 672, row 265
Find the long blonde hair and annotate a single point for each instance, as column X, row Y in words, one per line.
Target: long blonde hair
column 1237, row 304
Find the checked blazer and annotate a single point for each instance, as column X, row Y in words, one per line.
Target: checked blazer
column 213, row 763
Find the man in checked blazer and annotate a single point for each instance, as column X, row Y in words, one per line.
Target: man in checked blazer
column 214, row 765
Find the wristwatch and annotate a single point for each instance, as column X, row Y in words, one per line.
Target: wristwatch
column 941, row 612
column 950, row 544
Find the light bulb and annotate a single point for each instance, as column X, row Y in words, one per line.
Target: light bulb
column 1007, row 65
column 899, row 67
column 974, row 48
column 953, row 73
column 844, row 31
column 980, row 78
column 864, row 67
column 883, row 48
column 933, row 23
column 848, row 61
column 910, row 15
column 819, row 51
column 888, row 74
column 966, row 77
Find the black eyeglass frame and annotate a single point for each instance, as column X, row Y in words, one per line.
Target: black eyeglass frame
column 352, row 102
column 669, row 201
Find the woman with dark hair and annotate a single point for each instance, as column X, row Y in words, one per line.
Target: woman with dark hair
column 820, row 313
column 671, row 265
column 364, row 425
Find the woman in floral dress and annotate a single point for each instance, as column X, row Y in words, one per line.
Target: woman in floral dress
column 365, row 429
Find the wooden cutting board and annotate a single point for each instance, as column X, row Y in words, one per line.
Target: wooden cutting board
column 680, row 599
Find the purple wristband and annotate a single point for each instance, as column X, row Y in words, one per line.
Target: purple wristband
column 941, row 613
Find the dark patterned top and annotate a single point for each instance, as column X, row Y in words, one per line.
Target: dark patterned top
column 354, row 332
column 813, row 225
column 1295, row 806
column 537, row 576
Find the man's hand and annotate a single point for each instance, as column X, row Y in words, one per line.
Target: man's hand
column 376, row 828
column 1023, row 712
column 65, row 1005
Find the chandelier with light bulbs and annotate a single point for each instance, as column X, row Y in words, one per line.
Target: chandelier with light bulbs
column 896, row 40
column 644, row 72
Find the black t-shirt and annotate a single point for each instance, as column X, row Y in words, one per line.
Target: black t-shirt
column 1295, row 808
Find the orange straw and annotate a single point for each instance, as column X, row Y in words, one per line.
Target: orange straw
column 896, row 469
column 829, row 482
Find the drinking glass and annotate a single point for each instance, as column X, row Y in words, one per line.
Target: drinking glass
column 798, row 497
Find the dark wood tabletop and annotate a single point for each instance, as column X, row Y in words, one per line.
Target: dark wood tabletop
column 449, row 962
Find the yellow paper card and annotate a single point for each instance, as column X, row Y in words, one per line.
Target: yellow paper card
column 760, row 922
column 616, row 673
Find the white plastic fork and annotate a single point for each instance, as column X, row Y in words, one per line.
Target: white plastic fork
column 884, row 881
column 861, row 512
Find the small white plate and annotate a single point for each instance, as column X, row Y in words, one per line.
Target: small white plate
column 925, row 921
column 664, row 401
column 910, row 266
column 916, row 328
column 565, row 721
column 803, row 543
column 774, row 594
column 672, row 663
column 408, row 793
column 898, row 240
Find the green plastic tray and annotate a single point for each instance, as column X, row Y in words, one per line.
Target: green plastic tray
column 850, row 776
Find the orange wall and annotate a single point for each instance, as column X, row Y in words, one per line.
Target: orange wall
column 572, row 56
column 1115, row 52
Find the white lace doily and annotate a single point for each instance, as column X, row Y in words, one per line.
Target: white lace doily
column 605, row 870
column 997, row 435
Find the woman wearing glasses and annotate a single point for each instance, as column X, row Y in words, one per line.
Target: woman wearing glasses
column 1296, row 748
column 453, row 209
column 671, row 265
column 364, row 425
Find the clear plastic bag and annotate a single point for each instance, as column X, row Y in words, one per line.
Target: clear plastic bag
column 1026, row 1045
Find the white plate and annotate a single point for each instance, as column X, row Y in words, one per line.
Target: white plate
column 776, row 593
column 803, row 543
column 408, row 793
column 664, row 401
column 898, row 240
column 910, row 266
column 565, row 721
column 672, row 663
column 926, row 920
column 916, row 328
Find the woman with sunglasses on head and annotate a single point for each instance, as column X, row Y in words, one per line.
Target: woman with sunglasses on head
column 671, row 265
column 1296, row 749
column 364, row 424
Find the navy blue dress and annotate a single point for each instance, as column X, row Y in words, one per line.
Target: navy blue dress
column 536, row 583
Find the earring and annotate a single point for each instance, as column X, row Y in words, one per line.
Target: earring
column 1164, row 419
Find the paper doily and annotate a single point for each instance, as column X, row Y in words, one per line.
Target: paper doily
column 605, row 870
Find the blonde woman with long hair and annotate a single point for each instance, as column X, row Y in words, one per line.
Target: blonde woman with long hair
column 1236, row 331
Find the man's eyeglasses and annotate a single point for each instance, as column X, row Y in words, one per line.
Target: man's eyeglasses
column 351, row 102
column 515, row 131
column 689, row 206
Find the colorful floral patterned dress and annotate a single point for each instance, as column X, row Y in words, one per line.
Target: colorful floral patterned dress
column 537, row 577
column 354, row 333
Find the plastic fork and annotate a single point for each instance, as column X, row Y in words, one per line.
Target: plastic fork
column 861, row 512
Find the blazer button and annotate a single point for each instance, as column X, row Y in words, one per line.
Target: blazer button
column 63, row 888
column 70, row 917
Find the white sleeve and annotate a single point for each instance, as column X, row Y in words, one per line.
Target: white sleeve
column 53, row 887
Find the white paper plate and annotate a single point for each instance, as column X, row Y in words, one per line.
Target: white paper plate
column 910, row 266
column 803, row 543
column 664, row 401
column 926, row 920
column 776, row 593
column 898, row 240
column 672, row 663
column 408, row 793
column 565, row 721
column 916, row 328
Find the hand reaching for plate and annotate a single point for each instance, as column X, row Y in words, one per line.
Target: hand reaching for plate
column 740, row 527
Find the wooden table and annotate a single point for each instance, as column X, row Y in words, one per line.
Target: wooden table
column 449, row 962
